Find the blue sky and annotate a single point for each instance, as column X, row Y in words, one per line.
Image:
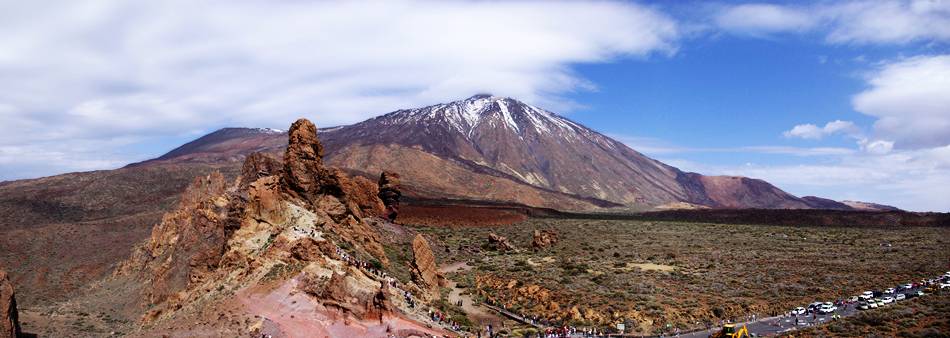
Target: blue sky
column 847, row 99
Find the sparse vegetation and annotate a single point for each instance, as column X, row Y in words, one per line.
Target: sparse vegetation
column 685, row 274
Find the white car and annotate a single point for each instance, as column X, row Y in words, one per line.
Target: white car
column 908, row 286
column 872, row 304
column 862, row 305
column 868, row 294
column 900, row 296
column 826, row 308
column 887, row 300
column 889, row 290
column 945, row 285
column 799, row 311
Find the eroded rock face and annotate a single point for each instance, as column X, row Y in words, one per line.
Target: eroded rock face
column 425, row 272
column 544, row 238
column 363, row 192
column 189, row 241
column 499, row 243
column 304, row 173
column 9, row 324
column 389, row 193
column 258, row 165
column 272, row 221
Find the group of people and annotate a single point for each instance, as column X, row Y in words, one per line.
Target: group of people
column 441, row 318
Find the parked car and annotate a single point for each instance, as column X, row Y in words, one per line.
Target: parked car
column 862, row 305
column 872, row 304
column 868, row 294
column 889, row 291
column 814, row 306
column 880, row 302
column 944, row 285
column 854, row 299
column 827, row 308
column 900, row 296
column 908, row 286
column 799, row 311
column 920, row 293
column 887, row 300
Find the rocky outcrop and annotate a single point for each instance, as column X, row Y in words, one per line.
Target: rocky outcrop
column 272, row 221
column 389, row 193
column 9, row 324
column 425, row 272
column 305, row 176
column 499, row 243
column 364, row 193
column 189, row 241
column 544, row 238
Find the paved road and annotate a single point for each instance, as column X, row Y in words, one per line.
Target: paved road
column 775, row 325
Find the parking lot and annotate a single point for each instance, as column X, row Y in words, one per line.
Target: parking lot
column 794, row 320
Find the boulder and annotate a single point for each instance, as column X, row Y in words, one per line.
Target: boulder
column 499, row 243
column 389, row 193
column 544, row 238
column 425, row 272
column 9, row 324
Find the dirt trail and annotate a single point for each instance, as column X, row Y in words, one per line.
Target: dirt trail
column 289, row 313
column 479, row 315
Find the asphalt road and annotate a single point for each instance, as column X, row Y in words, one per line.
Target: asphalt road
column 777, row 325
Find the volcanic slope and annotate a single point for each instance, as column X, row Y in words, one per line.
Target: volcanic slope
column 501, row 149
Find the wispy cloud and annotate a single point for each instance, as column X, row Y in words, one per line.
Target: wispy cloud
column 658, row 147
column 848, row 22
column 811, row 131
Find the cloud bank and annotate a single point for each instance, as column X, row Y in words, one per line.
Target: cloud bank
column 82, row 80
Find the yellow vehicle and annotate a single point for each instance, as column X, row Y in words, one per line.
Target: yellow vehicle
column 730, row 331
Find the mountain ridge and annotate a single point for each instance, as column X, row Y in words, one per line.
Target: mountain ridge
column 503, row 143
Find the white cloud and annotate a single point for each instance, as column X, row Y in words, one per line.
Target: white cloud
column 657, row 147
column 92, row 71
column 758, row 19
column 813, row 132
column 911, row 100
column 888, row 21
column 850, row 22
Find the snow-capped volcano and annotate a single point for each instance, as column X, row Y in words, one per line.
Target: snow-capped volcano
column 466, row 115
column 500, row 149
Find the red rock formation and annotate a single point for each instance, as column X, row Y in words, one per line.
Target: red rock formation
column 259, row 165
column 9, row 325
column 389, row 193
column 544, row 238
column 425, row 272
column 271, row 218
column 499, row 243
column 304, row 174
column 363, row 192
column 189, row 241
